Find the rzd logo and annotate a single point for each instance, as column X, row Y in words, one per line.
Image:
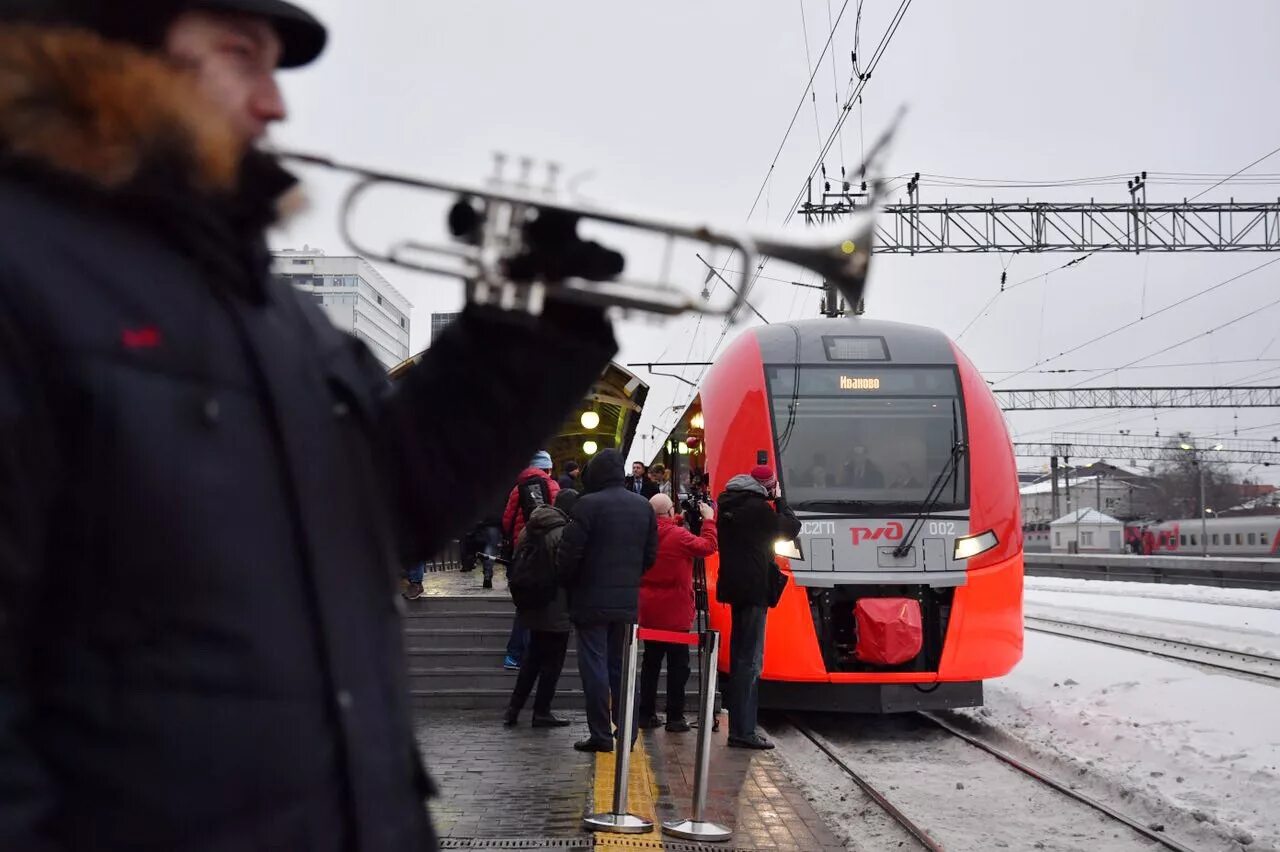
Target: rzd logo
column 891, row 531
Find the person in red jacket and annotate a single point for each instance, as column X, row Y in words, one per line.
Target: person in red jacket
column 666, row 603
column 534, row 488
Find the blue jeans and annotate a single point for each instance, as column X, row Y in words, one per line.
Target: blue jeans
column 746, row 661
column 491, row 542
column 518, row 641
column 600, row 666
column 415, row 572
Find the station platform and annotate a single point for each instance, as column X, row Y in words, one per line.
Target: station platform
column 526, row 788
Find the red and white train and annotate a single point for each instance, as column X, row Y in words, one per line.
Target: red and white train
column 893, row 453
column 1250, row 536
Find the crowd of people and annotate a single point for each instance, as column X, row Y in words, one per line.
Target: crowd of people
column 598, row 562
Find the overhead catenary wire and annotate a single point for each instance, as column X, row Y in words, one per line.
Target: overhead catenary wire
column 1118, row 329
column 1187, row 340
column 799, row 106
column 1076, row 261
column 693, row 338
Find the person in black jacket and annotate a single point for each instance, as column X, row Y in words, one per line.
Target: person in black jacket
column 569, row 476
column 610, row 542
column 753, row 518
column 206, row 490
column 639, row 482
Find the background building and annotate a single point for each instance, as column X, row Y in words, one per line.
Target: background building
column 439, row 322
column 1087, row 531
column 355, row 296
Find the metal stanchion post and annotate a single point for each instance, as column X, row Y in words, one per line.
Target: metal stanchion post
column 696, row 828
column 619, row 820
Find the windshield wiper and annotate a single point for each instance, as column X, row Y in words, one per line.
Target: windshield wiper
column 958, row 449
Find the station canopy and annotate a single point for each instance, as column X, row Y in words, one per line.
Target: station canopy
column 606, row 417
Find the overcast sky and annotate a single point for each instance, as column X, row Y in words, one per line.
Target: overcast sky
column 681, row 106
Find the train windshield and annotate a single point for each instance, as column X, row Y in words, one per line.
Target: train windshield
column 868, row 439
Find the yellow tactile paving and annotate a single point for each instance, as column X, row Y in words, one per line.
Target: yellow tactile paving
column 642, row 796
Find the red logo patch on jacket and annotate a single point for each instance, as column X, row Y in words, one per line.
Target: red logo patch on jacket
column 145, row 337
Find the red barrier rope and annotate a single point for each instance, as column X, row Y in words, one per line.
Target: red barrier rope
column 674, row 637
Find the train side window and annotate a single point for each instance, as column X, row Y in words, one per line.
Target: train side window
column 1182, row 539
column 1194, row 540
column 1253, row 538
column 1262, row 538
column 1239, row 539
column 1215, row 538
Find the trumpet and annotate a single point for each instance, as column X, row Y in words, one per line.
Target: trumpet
column 512, row 247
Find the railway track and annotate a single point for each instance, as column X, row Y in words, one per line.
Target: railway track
column 929, row 842
column 1237, row 662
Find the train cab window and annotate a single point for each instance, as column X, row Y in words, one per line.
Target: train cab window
column 1215, row 538
column 1182, row 539
column 1253, row 538
column 868, row 438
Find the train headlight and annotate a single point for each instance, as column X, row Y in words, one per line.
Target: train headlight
column 971, row 545
column 789, row 549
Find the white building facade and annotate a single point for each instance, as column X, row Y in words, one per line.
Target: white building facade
column 1086, row 531
column 354, row 295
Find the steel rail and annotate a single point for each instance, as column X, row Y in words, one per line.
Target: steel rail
column 1013, row 762
column 921, row 836
column 1239, row 662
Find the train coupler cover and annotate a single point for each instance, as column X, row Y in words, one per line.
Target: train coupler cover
column 889, row 630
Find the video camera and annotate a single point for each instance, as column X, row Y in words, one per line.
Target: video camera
column 692, row 515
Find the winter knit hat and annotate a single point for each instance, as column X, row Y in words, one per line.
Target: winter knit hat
column 541, row 460
column 763, row 474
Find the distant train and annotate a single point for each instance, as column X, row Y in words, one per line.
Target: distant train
column 893, row 453
column 1242, row 536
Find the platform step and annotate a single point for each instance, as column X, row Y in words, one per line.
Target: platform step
column 500, row 602
column 429, row 639
column 497, row 621
column 436, row 658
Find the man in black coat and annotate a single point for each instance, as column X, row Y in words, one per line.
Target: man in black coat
column 610, row 542
column 639, row 481
column 206, row 491
column 753, row 518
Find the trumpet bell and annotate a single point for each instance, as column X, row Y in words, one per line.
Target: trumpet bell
column 840, row 254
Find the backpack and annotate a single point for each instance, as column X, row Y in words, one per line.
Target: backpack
column 531, row 577
column 533, row 491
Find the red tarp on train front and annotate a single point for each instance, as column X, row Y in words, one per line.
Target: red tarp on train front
column 889, row 630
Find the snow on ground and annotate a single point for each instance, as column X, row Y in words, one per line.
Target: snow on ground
column 1213, row 628
column 1254, row 598
column 1192, row 744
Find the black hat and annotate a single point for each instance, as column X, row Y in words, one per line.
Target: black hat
column 302, row 36
column 144, row 22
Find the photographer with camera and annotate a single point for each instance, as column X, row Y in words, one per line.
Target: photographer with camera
column 753, row 517
column 666, row 603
